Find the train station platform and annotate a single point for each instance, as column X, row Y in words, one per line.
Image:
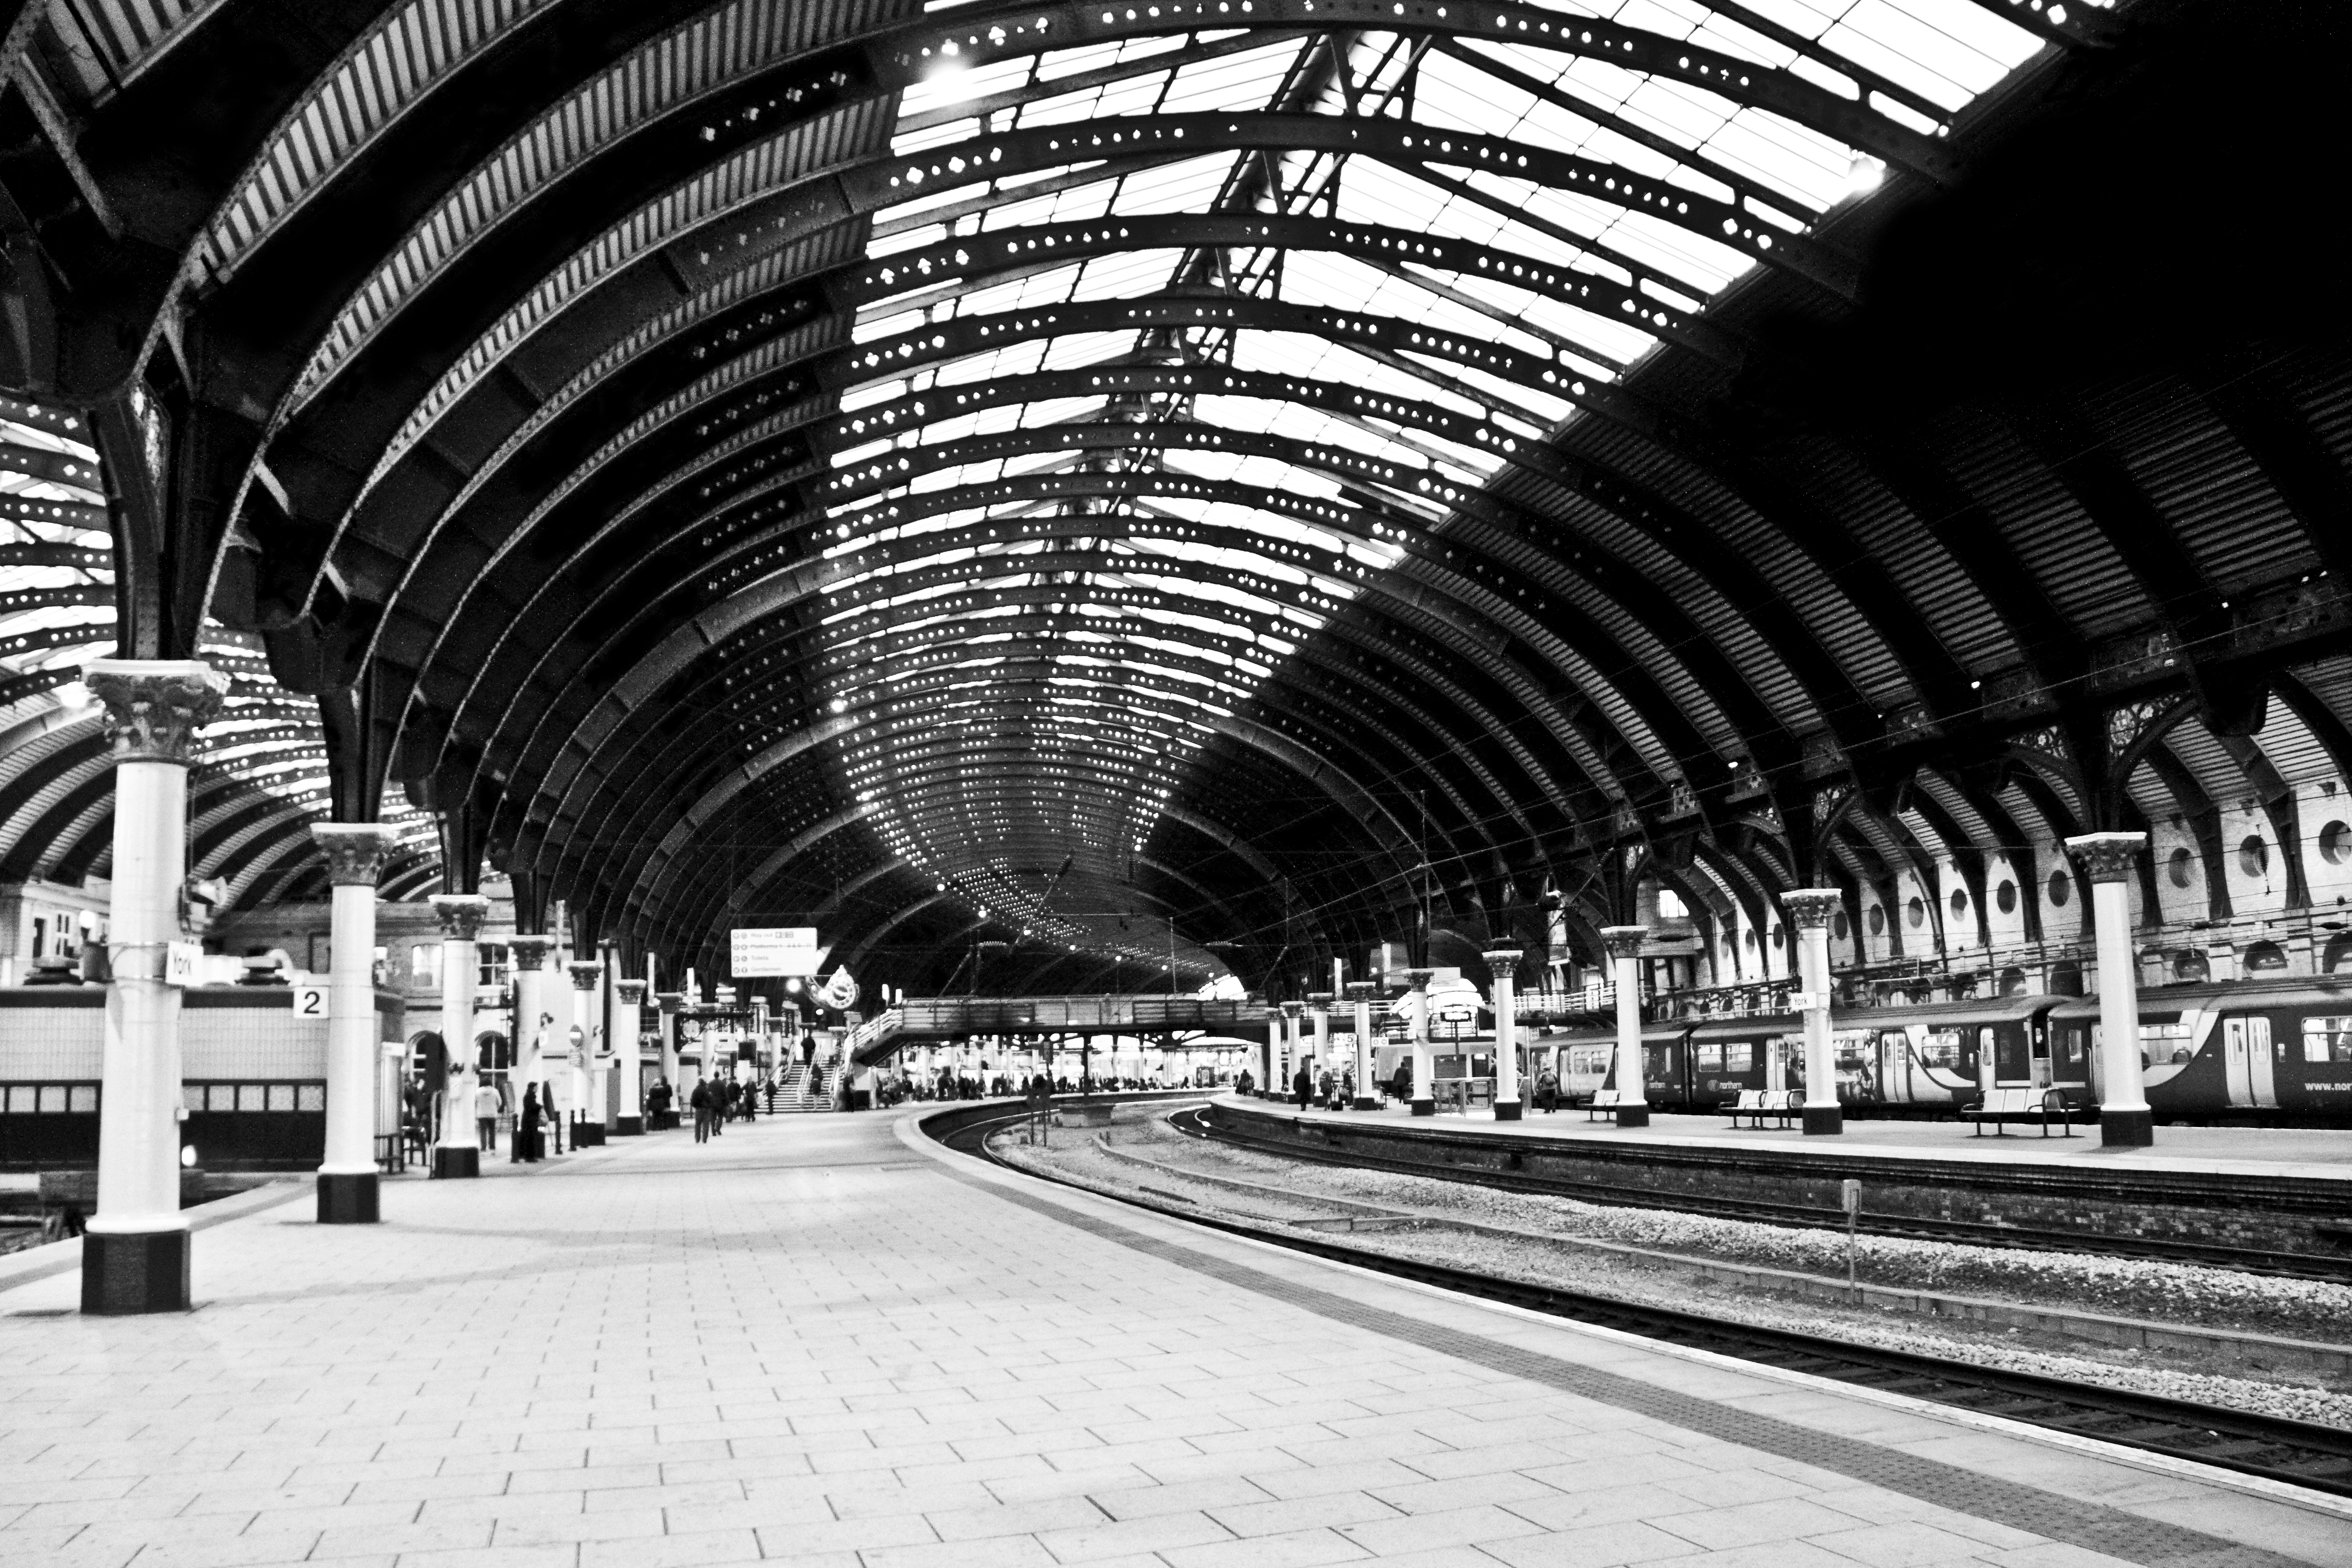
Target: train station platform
column 2224, row 1191
column 2298, row 1153
column 827, row 1341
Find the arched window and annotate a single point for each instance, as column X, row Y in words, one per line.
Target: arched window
column 2337, row 957
column 2266, row 958
column 2189, row 966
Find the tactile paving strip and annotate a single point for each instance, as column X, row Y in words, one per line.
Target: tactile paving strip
column 2091, row 1526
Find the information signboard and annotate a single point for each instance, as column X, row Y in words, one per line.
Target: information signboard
column 766, row 953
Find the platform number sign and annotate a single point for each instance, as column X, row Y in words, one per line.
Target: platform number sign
column 310, row 1001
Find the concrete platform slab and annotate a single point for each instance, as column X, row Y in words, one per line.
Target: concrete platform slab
column 822, row 1339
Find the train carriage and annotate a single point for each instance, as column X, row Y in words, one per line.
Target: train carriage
column 2281, row 1048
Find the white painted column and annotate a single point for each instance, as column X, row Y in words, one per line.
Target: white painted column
column 1361, row 994
column 628, row 1009
column 589, row 1130
column 1290, row 1043
column 1810, row 912
column 1270, row 1085
column 135, row 1251
column 1424, row 1070
column 532, row 1023
column 1503, row 965
column 1625, row 947
column 1319, row 1006
column 456, row 1155
column 356, row 853
column 670, row 1002
column 2110, row 860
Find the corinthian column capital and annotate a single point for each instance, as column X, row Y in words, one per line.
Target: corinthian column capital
column 154, row 706
column 1811, row 909
column 587, row 973
column 461, row 914
column 531, row 950
column 1624, row 941
column 2108, row 857
column 355, row 851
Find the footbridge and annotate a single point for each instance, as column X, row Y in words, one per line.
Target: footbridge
column 1170, row 1020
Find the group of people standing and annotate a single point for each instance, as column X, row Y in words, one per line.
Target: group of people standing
column 421, row 1110
column 716, row 1101
column 1332, row 1090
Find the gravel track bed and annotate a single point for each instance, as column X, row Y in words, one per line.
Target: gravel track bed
column 2120, row 1287
column 2170, row 1375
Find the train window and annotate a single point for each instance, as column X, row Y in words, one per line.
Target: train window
column 1739, row 1056
column 1941, row 1049
column 2070, row 1044
column 1710, row 1057
column 2327, row 1039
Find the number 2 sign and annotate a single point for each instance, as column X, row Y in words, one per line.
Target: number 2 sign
column 310, row 1001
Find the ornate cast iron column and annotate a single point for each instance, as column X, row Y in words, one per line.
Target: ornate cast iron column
column 1424, row 1081
column 1624, row 946
column 670, row 1002
column 1503, row 963
column 588, row 1131
column 1290, row 1037
column 356, row 853
column 1361, row 994
column 136, row 1251
column 1319, row 1008
column 1809, row 910
column 531, row 1019
column 2110, row 860
column 461, row 916
column 627, row 1015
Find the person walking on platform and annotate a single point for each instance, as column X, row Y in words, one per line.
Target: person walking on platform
column 1244, row 1083
column 486, row 1117
column 526, row 1137
column 1548, row 1091
column 1303, row 1084
column 698, row 1102
column 751, row 1100
column 1326, row 1086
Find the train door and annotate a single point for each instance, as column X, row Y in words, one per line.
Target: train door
column 1988, row 1059
column 1894, row 1067
column 2038, row 1041
column 1776, row 1064
column 2246, row 1043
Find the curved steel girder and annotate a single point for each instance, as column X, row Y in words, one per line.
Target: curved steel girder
column 914, row 782
column 1438, row 631
column 1397, row 699
column 809, row 579
column 605, row 180
column 1781, row 628
column 713, row 627
column 979, row 261
column 981, row 34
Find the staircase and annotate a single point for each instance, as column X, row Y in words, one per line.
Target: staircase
column 795, row 1095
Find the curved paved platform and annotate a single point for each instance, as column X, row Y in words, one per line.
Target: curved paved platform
column 822, row 1339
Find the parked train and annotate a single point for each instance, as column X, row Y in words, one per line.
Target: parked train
column 253, row 1075
column 2271, row 1050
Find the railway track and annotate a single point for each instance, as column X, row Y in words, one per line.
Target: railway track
column 1195, row 1123
column 2297, row 1452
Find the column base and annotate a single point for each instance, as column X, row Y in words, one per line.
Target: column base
column 630, row 1127
column 1424, row 1108
column 662, row 1121
column 1632, row 1116
column 1366, row 1103
column 144, row 1271
column 348, row 1198
column 1508, row 1109
column 453, row 1164
column 2127, row 1129
column 587, row 1135
column 1820, row 1119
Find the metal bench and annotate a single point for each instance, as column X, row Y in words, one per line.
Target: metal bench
column 1783, row 1104
column 2002, row 1106
column 1605, row 1103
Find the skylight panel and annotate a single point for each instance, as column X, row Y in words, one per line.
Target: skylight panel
column 1188, row 185
column 1242, row 81
column 1949, row 58
column 1793, row 161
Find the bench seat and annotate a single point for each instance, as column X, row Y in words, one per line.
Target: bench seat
column 2042, row 1107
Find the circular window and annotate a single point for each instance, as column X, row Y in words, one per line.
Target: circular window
column 1779, row 935
column 1916, row 911
column 1959, row 900
column 2005, row 897
column 2255, row 856
column 1839, row 925
column 1729, row 945
column 2335, row 842
column 2179, row 866
column 1878, row 919
column 1751, row 938
column 2061, row 887
column 2266, row 958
